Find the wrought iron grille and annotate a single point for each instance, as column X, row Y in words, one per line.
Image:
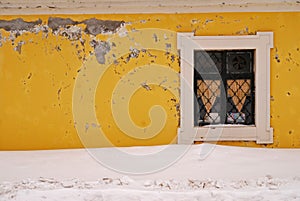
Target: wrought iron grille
column 232, row 69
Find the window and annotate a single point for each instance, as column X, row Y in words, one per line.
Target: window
column 234, row 70
column 225, row 88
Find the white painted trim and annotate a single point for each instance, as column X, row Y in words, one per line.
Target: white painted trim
column 30, row 7
column 261, row 132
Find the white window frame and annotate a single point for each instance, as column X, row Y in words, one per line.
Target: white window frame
column 261, row 132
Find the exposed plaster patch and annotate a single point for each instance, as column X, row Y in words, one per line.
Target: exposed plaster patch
column 18, row 24
column 17, row 27
column 95, row 26
column 244, row 31
column 155, row 38
column 170, row 57
column 122, row 32
column 56, row 22
column 168, row 45
column 146, row 86
column 65, row 27
column 134, row 53
column 18, row 48
column 166, row 37
column 87, row 126
column 195, row 21
column 101, row 49
column 72, row 33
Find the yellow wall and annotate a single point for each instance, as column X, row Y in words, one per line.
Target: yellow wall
column 50, row 82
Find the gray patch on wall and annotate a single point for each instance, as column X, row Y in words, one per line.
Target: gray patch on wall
column 18, row 48
column 65, row 27
column 93, row 25
column 101, row 49
column 18, row 24
column 55, row 22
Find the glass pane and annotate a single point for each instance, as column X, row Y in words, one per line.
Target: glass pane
column 234, row 69
column 239, row 102
column 208, row 61
column 208, row 99
column 239, row 62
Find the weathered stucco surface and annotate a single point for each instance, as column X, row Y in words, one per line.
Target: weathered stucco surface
column 17, row 7
column 42, row 58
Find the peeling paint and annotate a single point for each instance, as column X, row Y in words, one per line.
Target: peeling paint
column 168, row 45
column 55, row 22
column 146, row 86
column 72, row 33
column 155, row 38
column 18, row 24
column 87, row 126
column 244, row 31
column 18, row 48
column 101, row 49
column 134, row 53
column 71, row 38
column 195, row 21
column 65, row 27
column 95, row 26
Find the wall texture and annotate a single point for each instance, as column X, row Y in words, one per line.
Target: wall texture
column 30, row 7
column 44, row 59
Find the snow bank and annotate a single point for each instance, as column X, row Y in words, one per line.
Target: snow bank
column 228, row 173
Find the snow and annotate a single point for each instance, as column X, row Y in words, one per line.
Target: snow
column 220, row 173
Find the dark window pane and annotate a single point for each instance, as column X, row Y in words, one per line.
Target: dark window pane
column 208, row 61
column 239, row 62
column 232, row 70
